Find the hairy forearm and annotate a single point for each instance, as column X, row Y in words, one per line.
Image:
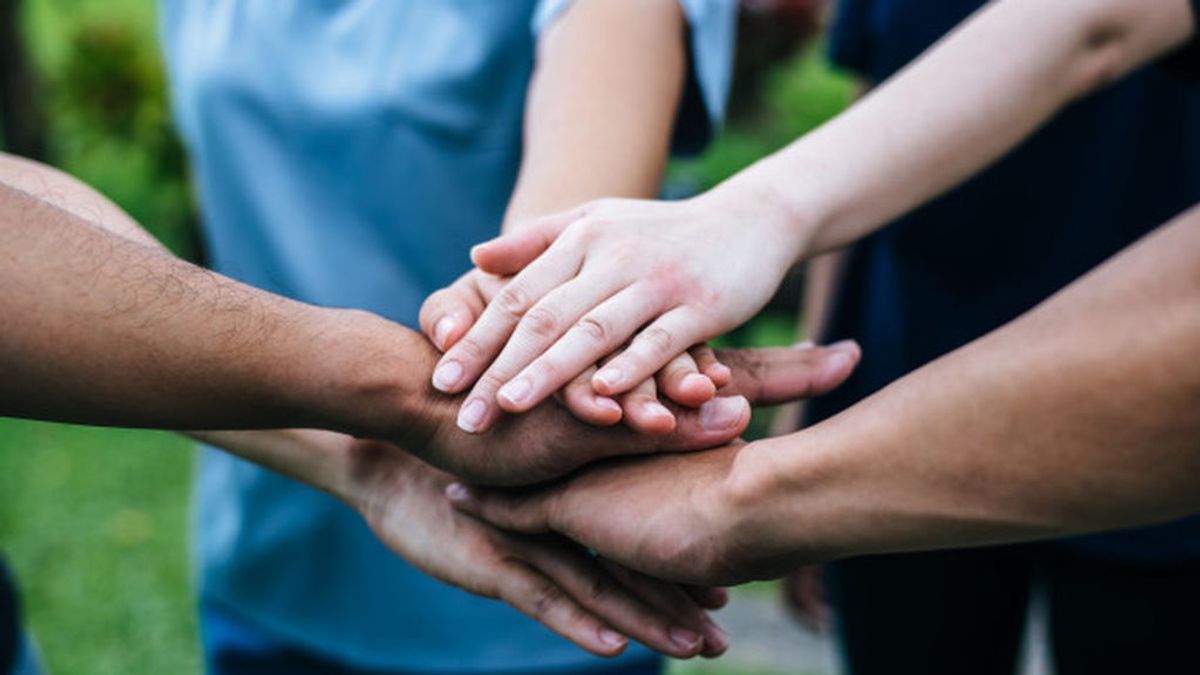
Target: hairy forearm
column 1081, row 415
column 105, row 327
column 61, row 191
column 601, row 105
column 968, row 100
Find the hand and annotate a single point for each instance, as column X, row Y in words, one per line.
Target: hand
column 804, row 596
column 589, row 601
column 672, row 516
column 547, row 443
column 690, row 379
column 589, row 280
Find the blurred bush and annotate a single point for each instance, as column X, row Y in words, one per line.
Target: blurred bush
column 104, row 99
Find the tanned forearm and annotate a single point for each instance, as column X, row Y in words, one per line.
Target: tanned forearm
column 1081, row 415
column 967, row 101
column 105, row 327
column 601, row 105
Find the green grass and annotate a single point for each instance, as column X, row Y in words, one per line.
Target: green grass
column 94, row 523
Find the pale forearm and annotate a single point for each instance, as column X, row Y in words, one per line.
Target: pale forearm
column 1081, row 415
column 601, row 105
column 967, row 101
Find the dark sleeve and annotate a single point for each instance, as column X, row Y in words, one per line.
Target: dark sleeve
column 851, row 39
column 1186, row 61
column 10, row 631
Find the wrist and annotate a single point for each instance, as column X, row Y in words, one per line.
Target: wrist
column 374, row 379
column 779, row 494
column 791, row 219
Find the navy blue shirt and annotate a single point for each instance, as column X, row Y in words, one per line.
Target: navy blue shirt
column 10, row 631
column 1105, row 172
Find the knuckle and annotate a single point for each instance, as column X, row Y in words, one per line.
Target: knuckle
column 469, row 348
column 658, row 340
column 542, row 321
column 546, row 598
column 491, row 381
column 595, row 329
column 513, row 300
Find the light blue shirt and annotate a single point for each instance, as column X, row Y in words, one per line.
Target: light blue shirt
column 349, row 153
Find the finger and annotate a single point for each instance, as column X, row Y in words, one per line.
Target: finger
column 518, row 511
column 707, row 362
column 601, row 330
column 781, row 374
column 585, row 404
column 716, row 422
column 805, row 598
column 644, row 413
column 673, row 601
column 499, row 387
column 447, row 314
column 708, row 597
column 675, row 633
column 681, row 381
column 654, row 347
column 540, row 598
column 463, row 362
column 511, row 252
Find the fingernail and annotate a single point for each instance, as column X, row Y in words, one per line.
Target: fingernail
column 836, row 363
column 849, row 346
column 612, row 638
column 715, row 637
column 517, row 390
column 442, row 331
column 607, row 403
column 695, row 380
column 457, row 492
column 447, row 375
column 722, row 413
column 475, row 252
column 805, row 344
column 470, row 418
column 685, row 639
column 610, row 377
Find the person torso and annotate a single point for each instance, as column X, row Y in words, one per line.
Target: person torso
column 349, row 153
column 1105, row 172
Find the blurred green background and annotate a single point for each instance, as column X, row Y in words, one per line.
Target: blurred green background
column 94, row 521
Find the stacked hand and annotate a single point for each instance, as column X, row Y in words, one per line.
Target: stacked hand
column 548, row 442
column 687, row 517
column 619, row 277
column 592, row 602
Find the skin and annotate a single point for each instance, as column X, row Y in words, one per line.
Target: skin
column 119, row 332
column 1078, row 416
column 663, row 276
column 598, row 124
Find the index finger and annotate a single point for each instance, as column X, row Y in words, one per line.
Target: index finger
column 468, row 358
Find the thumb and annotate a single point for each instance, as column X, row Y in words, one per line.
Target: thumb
column 781, row 374
column 507, row 510
column 510, row 253
column 447, row 314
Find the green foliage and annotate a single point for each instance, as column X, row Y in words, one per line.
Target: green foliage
column 108, row 111
column 799, row 96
